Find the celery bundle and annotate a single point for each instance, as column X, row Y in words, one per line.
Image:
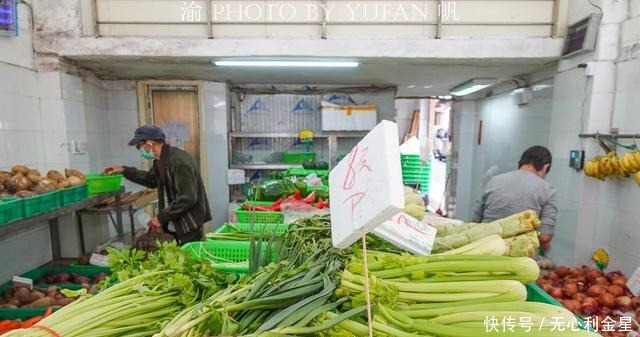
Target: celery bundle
column 518, row 231
column 140, row 297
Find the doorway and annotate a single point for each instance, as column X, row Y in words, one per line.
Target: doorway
column 440, row 144
column 175, row 110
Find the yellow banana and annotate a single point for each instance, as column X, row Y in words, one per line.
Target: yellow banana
column 637, row 176
column 624, row 163
column 635, row 160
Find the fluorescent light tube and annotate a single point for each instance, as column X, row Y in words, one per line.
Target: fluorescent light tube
column 321, row 64
column 472, row 86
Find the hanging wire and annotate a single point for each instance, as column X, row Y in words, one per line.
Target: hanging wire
column 596, row 6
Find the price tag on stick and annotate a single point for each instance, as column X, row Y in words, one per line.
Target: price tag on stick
column 366, row 186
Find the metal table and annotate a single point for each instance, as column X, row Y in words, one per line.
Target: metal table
column 23, row 225
column 118, row 209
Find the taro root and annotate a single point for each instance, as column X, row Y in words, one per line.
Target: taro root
column 75, row 181
column 4, row 177
column 44, row 186
column 20, row 169
column 55, row 176
column 70, row 172
column 34, row 176
column 26, row 194
column 18, row 183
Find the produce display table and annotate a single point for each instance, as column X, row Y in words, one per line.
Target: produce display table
column 22, row 225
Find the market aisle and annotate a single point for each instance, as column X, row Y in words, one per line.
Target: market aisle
column 437, row 182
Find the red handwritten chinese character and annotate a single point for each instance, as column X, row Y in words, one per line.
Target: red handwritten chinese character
column 363, row 160
column 402, row 220
column 350, row 177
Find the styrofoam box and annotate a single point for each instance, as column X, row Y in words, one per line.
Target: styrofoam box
column 348, row 118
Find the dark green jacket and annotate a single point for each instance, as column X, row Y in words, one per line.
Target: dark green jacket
column 182, row 199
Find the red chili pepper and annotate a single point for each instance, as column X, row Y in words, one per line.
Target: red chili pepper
column 14, row 325
column 31, row 321
column 320, row 204
column 276, row 205
column 48, row 312
column 262, row 209
column 310, row 198
column 297, row 195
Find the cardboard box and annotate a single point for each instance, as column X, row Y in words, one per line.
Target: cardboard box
column 348, row 117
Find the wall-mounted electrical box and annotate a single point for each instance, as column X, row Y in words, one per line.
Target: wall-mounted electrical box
column 576, row 159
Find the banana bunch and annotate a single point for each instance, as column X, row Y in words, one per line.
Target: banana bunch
column 610, row 165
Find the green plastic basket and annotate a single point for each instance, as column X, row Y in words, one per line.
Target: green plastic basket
column 259, row 216
column 37, row 273
column 11, row 209
column 301, row 172
column 50, row 201
column 22, row 313
column 297, row 157
column 224, row 254
column 536, row 294
column 278, row 229
column 74, row 194
column 323, row 188
column 32, row 206
column 100, row 183
column 77, row 266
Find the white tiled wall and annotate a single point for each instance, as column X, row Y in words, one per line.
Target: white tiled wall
column 21, row 141
column 508, row 129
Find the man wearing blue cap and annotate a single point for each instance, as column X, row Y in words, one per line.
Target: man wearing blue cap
column 181, row 195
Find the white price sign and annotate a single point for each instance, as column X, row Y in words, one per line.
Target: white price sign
column 99, row 260
column 366, row 186
column 22, row 281
column 409, row 233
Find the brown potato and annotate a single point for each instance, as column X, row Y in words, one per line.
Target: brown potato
column 64, row 301
column 22, row 294
column 40, row 303
column 35, row 295
column 20, row 169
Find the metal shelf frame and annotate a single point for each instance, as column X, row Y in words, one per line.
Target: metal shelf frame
column 331, row 137
column 23, row 225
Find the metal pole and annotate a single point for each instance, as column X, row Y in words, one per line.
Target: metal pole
column 610, row 135
column 324, row 20
column 209, row 19
column 94, row 9
column 439, row 19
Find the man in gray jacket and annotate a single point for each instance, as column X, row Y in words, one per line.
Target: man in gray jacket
column 516, row 191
